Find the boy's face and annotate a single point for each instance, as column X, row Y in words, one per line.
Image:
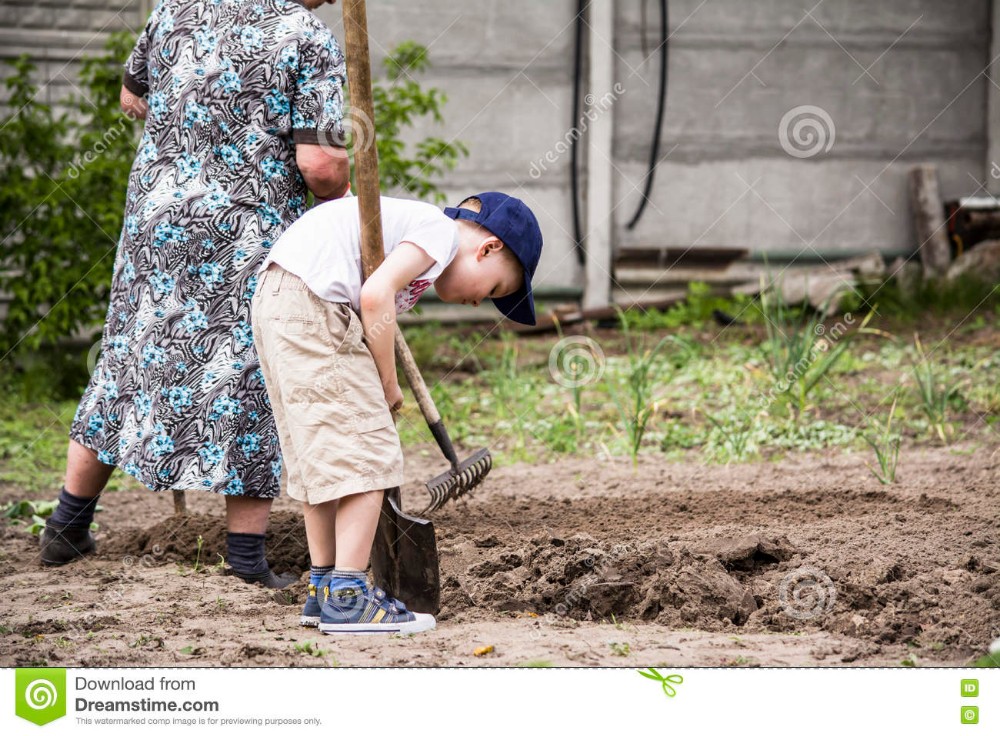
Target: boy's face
column 479, row 271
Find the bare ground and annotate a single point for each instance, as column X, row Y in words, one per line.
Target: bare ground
column 806, row 561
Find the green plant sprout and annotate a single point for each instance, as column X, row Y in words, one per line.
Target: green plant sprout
column 18, row 512
column 736, row 436
column 620, row 649
column 934, row 396
column 886, row 449
column 310, row 648
column 197, row 558
column 798, row 350
column 635, row 401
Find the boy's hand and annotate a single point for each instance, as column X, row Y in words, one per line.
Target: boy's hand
column 393, row 395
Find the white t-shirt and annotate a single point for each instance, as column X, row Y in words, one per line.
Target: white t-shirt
column 323, row 247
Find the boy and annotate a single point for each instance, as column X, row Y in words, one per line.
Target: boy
column 331, row 374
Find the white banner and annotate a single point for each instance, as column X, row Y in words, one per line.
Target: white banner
column 487, row 701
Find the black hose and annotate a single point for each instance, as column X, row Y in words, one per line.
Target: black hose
column 661, row 105
column 574, row 167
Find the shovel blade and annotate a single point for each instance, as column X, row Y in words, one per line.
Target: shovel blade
column 405, row 557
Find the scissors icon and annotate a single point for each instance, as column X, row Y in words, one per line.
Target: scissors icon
column 668, row 688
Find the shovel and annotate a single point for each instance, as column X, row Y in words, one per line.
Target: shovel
column 404, row 554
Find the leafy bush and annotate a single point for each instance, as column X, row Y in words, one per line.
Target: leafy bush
column 62, row 203
column 697, row 310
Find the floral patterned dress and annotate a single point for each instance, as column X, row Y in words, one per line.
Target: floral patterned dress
column 177, row 398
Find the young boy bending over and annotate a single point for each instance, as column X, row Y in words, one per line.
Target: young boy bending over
column 331, row 374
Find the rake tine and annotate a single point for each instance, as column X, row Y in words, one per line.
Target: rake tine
column 458, row 481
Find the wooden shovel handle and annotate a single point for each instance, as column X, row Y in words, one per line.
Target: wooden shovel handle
column 359, row 75
column 366, row 175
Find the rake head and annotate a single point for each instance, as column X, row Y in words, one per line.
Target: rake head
column 458, row 481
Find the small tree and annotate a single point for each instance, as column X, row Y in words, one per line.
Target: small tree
column 399, row 101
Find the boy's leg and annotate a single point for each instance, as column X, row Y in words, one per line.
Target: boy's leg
column 357, row 520
column 321, row 520
column 350, row 604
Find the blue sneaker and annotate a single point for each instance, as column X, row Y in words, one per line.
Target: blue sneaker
column 351, row 607
column 310, row 613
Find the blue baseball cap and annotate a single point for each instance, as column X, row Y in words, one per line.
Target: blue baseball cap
column 514, row 223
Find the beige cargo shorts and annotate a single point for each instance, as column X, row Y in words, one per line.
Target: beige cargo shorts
column 336, row 432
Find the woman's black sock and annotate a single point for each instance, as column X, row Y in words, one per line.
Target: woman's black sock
column 246, row 553
column 73, row 512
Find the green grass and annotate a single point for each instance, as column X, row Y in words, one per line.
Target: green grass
column 800, row 350
column 643, row 373
column 673, row 393
column 33, row 441
column 988, row 660
column 695, row 311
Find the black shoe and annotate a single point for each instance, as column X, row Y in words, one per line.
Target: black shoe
column 64, row 544
column 268, row 579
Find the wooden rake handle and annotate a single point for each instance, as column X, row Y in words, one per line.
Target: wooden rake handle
column 416, row 381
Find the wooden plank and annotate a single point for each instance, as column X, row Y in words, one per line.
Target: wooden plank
column 928, row 220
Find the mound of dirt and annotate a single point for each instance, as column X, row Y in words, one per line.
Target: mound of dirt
column 175, row 539
column 754, row 582
column 653, row 581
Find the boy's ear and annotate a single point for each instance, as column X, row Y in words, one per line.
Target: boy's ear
column 492, row 244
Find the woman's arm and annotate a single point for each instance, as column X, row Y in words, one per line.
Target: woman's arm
column 132, row 104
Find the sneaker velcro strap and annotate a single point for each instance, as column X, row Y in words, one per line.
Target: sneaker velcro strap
column 395, row 604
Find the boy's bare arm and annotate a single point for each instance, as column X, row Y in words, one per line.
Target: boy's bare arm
column 378, row 310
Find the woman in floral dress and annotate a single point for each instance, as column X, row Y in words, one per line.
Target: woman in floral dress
column 244, row 111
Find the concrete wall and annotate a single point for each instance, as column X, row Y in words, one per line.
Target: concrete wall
column 58, row 34
column 896, row 82
column 902, row 81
